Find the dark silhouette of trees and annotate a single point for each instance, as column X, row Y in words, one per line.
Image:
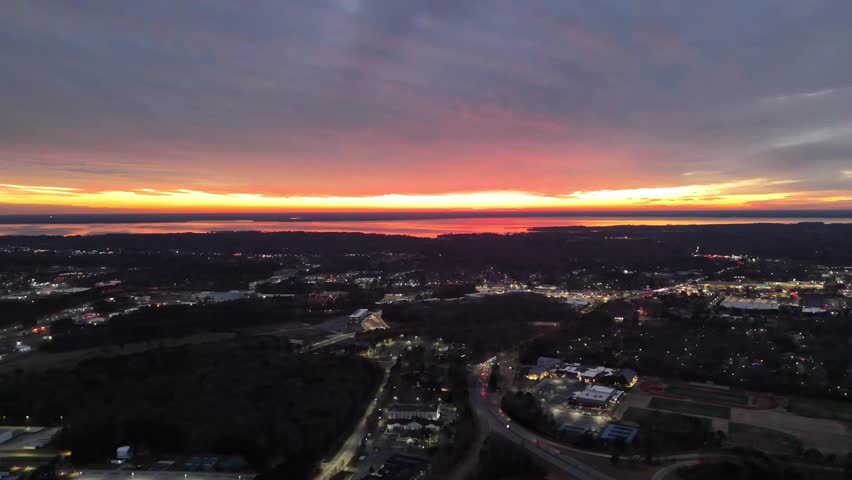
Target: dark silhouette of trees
column 248, row 397
column 494, row 378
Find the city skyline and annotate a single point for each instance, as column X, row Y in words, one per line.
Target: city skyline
column 348, row 105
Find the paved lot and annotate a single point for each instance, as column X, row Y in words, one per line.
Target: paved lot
column 828, row 436
column 555, row 393
column 38, row 438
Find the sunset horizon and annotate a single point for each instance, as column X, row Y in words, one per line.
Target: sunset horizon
column 425, row 239
column 52, row 199
column 350, row 105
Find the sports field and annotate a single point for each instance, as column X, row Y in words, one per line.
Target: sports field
column 673, row 431
column 764, row 439
column 690, row 408
column 707, row 395
column 821, row 408
column 666, row 421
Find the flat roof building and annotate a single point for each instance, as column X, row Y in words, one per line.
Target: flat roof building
column 614, row 431
column 406, row 411
column 597, row 396
column 585, row 373
column 358, row 315
column 547, row 362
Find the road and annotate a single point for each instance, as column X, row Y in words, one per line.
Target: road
column 492, row 421
column 347, row 451
column 158, row 475
column 329, row 341
column 668, row 469
column 690, row 459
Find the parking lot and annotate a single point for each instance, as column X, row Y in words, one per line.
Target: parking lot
column 555, row 395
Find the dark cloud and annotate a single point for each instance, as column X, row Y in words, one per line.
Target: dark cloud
column 814, row 155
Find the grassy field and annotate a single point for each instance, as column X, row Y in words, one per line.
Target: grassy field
column 764, row 439
column 690, row 408
column 821, row 408
column 672, row 432
column 706, row 395
column 665, row 421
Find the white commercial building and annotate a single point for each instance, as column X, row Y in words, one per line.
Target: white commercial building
column 358, row 315
column 597, row 396
column 407, row 411
column 750, row 303
column 584, row 373
column 415, row 425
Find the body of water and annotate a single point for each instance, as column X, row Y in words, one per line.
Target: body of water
column 414, row 227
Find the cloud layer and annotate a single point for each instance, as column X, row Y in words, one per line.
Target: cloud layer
column 430, row 99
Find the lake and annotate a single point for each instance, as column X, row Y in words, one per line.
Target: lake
column 429, row 227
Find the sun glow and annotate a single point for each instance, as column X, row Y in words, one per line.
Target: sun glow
column 743, row 193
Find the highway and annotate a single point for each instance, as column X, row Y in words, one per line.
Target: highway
column 490, row 419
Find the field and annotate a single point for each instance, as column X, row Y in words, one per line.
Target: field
column 673, row 432
column 707, row 395
column 821, row 408
column 764, row 439
column 665, row 421
column 690, row 408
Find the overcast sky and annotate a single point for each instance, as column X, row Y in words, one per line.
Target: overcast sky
column 257, row 104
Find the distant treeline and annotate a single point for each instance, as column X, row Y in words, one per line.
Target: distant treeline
column 154, row 323
column 489, row 325
column 545, row 249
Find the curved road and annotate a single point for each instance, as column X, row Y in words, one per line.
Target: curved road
column 665, row 471
column 491, row 420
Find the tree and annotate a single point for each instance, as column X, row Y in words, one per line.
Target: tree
column 649, row 445
column 618, row 447
column 813, row 455
column 494, row 378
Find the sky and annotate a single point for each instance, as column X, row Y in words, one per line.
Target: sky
column 318, row 105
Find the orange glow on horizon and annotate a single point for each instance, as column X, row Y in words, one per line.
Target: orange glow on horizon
column 750, row 193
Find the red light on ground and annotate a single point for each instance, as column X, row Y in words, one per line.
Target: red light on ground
column 484, row 394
